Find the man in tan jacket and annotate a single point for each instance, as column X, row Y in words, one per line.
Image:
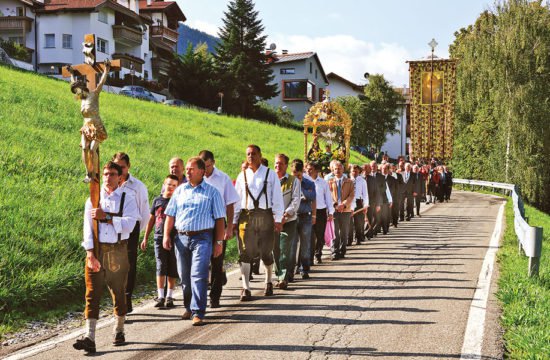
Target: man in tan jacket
column 343, row 195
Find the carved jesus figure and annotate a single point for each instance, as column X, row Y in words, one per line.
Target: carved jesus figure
column 93, row 132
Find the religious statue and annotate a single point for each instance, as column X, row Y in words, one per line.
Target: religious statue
column 93, row 132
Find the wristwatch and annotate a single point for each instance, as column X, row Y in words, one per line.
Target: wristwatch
column 108, row 217
column 219, row 242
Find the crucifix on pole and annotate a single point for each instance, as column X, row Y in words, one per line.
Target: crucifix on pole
column 85, row 85
column 432, row 44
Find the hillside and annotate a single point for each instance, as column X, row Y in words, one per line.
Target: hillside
column 41, row 192
column 195, row 37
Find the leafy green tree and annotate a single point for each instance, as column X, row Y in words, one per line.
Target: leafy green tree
column 503, row 97
column 374, row 114
column 193, row 77
column 241, row 62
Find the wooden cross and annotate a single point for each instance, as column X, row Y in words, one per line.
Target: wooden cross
column 88, row 72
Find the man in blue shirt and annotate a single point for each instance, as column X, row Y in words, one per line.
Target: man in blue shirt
column 198, row 212
column 306, row 218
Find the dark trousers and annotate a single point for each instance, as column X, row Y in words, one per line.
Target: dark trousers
column 383, row 218
column 318, row 232
column 395, row 209
column 133, row 241
column 217, row 276
column 406, row 202
column 371, row 215
column 417, row 199
column 357, row 228
column 341, row 230
column 448, row 192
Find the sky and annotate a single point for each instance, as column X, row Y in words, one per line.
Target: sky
column 352, row 37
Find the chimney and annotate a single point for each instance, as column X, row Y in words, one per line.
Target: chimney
column 285, row 52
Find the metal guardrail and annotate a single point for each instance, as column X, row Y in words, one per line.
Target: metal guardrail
column 529, row 237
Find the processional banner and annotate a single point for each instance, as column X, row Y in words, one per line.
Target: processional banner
column 433, row 93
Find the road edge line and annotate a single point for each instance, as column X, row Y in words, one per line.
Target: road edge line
column 473, row 336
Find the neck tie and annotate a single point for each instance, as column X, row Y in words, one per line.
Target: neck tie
column 339, row 190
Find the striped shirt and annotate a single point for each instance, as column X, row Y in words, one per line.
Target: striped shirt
column 196, row 208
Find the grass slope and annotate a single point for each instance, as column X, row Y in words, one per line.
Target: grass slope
column 525, row 301
column 41, row 193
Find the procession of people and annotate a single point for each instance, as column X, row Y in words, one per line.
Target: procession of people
column 283, row 216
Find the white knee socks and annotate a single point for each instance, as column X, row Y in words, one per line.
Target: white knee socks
column 119, row 323
column 245, row 272
column 90, row 328
column 268, row 273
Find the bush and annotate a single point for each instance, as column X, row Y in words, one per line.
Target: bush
column 275, row 115
column 15, row 50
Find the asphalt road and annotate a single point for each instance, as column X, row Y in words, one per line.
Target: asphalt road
column 401, row 296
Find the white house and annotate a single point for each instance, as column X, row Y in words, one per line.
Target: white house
column 340, row 86
column 301, row 81
column 141, row 33
column 397, row 144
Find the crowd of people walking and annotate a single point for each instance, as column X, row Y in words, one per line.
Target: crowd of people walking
column 283, row 216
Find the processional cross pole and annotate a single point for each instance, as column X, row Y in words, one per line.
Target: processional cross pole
column 85, row 86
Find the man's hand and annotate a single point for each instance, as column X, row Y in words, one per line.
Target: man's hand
column 91, row 261
column 313, row 220
column 107, row 63
column 391, row 205
column 218, row 249
column 365, row 210
column 278, row 227
column 98, row 214
column 330, row 217
column 378, row 208
column 143, row 245
column 415, row 194
column 340, row 207
column 228, row 232
column 166, row 243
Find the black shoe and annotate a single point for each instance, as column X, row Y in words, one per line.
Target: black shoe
column 318, row 260
column 268, row 291
column 224, row 281
column 214, row 304
column 305, row 276
column 290, row 279
column 119, row 339
column 169, row 303
column 297, row 271
column 246, row 295
column 85, row 344
column 342, row 256
column 408, row 219
column 159, row 303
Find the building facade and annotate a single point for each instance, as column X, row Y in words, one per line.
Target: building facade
column 53, row 32
column 340, row 86
column 301, row 81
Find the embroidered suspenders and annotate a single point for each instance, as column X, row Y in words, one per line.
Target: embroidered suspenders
column 119, row 213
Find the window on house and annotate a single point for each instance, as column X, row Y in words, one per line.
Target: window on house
column 20, row 11
column 67, row 41
column 321, row 94
column 297, row 90
column 103, row 17
column 146, row 75
column 288, row 71
column 310, row 68
column 49, row 40
column 102, row 45
column 315, row 73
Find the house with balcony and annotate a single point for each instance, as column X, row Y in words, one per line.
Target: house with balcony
column 17, row 24
column 121, row 33
column 301, row 81
column 165, row 17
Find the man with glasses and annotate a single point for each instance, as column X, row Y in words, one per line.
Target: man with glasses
column 117, row 214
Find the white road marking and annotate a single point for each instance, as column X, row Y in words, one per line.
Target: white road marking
column 473, row 337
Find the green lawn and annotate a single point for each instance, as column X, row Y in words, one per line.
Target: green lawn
column 525, row 301
column 42, row 196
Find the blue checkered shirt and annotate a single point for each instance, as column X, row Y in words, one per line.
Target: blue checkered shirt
column 196, row 208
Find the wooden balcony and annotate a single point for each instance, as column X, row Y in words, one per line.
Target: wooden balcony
column 127, row 35
column 15, row 23
column 160, row 65
column 167, row 35
column 126, row 61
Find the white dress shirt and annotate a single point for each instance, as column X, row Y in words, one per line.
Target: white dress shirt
column 141, row 197
column 123, row 225
column 388, row 192
column 361, row 190
column 292, row 198
column 222, row 182
column 255, row 180
column 323, row 198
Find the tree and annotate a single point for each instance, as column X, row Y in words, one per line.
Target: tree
column 374, row 114
column 241, row 62
column 193, row 77
column 502, row 105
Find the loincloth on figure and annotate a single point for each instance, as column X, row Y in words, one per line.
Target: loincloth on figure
column 93, row 129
